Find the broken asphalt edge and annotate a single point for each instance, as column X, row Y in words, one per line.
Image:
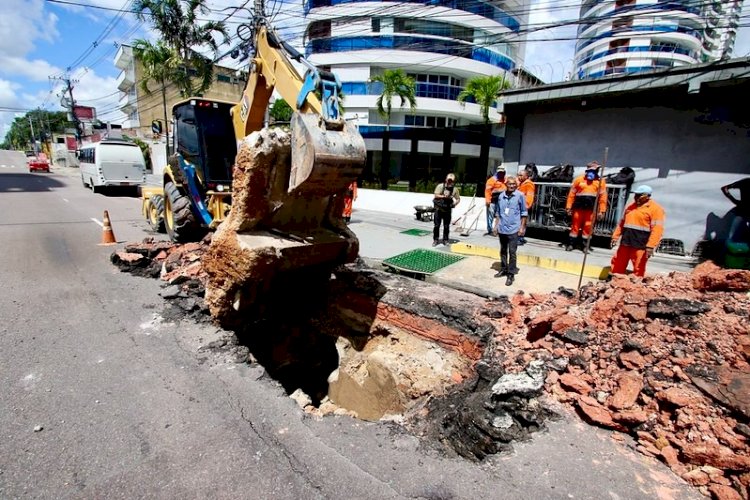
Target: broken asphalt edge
column 441, row 280
column 563, row 266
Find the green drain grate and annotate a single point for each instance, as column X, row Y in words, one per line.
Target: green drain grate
column 422, row 261
column 416, row 232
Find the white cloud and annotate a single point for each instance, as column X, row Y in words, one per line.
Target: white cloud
column 550, row 52
column 37, row 70
column 22, row 23
column 101, row 93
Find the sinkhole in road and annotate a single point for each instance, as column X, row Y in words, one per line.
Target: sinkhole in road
column 376, row 345
column 404, row 355
column 327, row 338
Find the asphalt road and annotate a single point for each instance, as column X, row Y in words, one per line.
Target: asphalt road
column 128, row 405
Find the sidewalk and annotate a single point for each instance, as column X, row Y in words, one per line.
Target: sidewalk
column 545, row 266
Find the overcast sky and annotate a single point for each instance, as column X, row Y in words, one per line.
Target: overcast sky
column 43, row 40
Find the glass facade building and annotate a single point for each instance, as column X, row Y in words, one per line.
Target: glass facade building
column 629, row 36
column 441, row 44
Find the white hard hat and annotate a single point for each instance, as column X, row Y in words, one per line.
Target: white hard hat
column 643, row 190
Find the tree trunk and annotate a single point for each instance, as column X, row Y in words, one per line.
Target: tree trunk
column 446, row 162
column 484, row 158
column 413, row 159
column 385, row 162
column 166, row 118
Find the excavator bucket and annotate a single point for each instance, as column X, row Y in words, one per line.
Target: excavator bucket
column 326, row 157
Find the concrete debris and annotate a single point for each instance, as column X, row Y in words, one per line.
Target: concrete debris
column 665, row 359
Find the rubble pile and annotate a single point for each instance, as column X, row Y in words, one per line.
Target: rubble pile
column 178, row 265
column 665, row 360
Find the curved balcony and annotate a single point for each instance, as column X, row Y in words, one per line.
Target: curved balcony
column 693, row 53
column 637, row 30
column 413, row 43
column 478, row 7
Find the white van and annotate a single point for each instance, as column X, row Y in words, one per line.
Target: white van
column 112, row 163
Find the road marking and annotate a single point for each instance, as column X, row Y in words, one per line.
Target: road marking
column 101, row 224
column 66, row 200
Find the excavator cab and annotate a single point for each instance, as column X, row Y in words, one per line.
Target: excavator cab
column 198, row 181
column 204, row 136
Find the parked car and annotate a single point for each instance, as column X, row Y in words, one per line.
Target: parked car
column 37, row 162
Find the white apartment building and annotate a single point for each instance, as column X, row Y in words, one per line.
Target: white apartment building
column 630, row 36
column 441, row 44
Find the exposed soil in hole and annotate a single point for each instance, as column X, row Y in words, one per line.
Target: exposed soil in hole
column 666, row 360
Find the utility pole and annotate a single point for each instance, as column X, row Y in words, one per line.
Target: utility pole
column 33, row 138
column 69, row 89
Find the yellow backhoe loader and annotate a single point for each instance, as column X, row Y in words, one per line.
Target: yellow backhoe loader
column 290, row 215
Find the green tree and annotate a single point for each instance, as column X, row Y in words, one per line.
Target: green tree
column 45, row 123
column 280, row 111
column 177, row 23
column 395, row 84
column 160, row 65
column 485, row 91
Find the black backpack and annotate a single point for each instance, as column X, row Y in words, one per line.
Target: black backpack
column 559, row 173
column 626, row 176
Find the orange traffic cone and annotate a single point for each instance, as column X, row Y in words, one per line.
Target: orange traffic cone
column 108, row 236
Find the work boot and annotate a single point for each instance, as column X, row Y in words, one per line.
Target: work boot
column 501, row 273
column 435, row 243
column 446, row 242
column 509, row 281
column 569, row 244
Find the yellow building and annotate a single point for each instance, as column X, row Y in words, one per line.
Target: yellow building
column 142, row 108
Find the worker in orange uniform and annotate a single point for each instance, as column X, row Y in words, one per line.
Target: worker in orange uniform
column 492, row 189
column 349, row 197
column 641, row 229
column 581, row 201
column 527, row 188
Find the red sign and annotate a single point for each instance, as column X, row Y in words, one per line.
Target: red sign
column 71, row 143
column 84, row 112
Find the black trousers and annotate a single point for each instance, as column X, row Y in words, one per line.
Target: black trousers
column 441, row 217
column 508, row 247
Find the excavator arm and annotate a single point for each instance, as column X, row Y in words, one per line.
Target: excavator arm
column 288, row 187
column 324, row 148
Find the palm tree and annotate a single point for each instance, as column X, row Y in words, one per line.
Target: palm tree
column 485, row 90
column 395, row 84
column 160, row 65
column 177, row 22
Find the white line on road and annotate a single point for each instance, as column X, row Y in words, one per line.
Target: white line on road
column 66, row 200
column 101, row 224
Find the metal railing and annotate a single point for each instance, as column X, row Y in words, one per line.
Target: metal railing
column 548, row 211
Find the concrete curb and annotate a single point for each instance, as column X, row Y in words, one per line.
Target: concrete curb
column 563, row 266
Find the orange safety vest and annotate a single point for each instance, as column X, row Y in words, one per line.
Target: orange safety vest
column 641, row 226
column 527, row 188
column 492, row 186
column 582, row 194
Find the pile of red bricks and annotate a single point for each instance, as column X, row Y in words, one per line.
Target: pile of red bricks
column 665, row 360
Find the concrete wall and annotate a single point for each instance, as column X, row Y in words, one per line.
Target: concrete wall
column 685, row 155
column 654, row 137
column 403, row 203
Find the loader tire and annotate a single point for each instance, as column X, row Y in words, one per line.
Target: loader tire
column 179, row 219
column 155, row 213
